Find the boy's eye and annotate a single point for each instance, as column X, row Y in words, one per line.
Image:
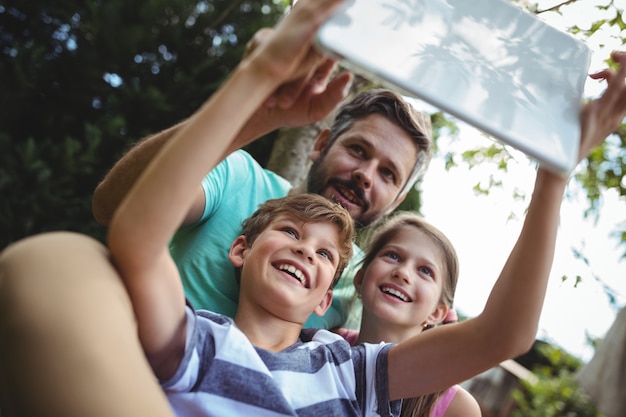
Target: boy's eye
column 290, row 231
column 325, row 253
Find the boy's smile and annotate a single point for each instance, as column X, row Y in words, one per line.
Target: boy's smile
column 292, row 263
column 295, row 272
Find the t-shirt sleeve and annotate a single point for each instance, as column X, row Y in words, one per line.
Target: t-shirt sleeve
column 372, row 381
column 186, row 375
column 219, row 181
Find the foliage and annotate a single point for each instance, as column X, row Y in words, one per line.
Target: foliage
column 555, row 393
column 84, row 79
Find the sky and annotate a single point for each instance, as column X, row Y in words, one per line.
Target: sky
column 485, row 228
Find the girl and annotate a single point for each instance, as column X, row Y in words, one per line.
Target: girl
column 406, row 285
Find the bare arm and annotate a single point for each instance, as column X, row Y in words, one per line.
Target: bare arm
column 118, row 181
column 307, row 97
column 507, row 327
column 162, row 194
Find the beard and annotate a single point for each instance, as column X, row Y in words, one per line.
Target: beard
column 318, row 182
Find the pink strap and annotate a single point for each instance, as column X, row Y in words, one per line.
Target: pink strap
column 444, row 401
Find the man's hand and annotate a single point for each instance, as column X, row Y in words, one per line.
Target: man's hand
column 309, row 94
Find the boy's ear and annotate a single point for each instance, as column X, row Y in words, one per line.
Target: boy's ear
column 324, row 305
column 320, row 144
column 358, row 281
column 237, row 252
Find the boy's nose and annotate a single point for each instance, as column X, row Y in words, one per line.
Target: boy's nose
column 305, row 251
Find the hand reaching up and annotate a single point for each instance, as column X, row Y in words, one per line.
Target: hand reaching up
column 602, row 116
column 309, row 95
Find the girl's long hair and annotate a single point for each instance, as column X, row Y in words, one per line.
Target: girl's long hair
column 378, row 237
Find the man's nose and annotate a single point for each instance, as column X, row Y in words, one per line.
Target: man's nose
column 364, row 174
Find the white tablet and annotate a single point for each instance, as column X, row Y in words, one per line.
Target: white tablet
column 486, row 62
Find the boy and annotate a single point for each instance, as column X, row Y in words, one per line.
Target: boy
column 290, row 254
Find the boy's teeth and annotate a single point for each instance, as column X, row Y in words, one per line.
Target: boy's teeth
column 293, row 271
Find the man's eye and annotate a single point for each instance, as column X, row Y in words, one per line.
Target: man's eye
column 387, row 173
column 357, row 149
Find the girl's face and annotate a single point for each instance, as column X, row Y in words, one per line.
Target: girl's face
column 402, row 286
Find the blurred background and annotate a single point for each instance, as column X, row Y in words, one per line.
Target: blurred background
column 81, row 81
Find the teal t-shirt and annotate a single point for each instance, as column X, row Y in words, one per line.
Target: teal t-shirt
column 234, row 189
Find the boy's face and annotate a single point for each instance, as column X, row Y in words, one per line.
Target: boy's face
column 365, row 169
column 289, row 268
column 402, row 285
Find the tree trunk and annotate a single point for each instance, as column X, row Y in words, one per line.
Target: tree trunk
column 603, row 377
column 290, row 157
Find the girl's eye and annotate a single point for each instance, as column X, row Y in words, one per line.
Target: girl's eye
column 426, row 271
column 392, row 255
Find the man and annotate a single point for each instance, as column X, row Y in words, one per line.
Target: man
column 367, row 161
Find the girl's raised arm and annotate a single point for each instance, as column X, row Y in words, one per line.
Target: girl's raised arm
column 507, row 326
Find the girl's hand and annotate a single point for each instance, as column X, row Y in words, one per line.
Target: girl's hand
column 602, row 116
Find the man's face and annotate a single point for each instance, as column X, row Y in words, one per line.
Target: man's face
column 365, row 168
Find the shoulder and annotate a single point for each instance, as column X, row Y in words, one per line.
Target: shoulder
column 463, row 404
column 241, row 160
column 350, row 335
column 240, row 169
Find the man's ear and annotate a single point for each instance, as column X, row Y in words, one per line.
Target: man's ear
column 324, row 305
column 320, row 144
column 358, row 281
column 237, row 252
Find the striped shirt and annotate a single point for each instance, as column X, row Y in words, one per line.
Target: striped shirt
column 223, row 374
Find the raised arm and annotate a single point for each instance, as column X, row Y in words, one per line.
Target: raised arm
column 161, row 196
column 508, row 325
column 115, row 185
column 307, row 97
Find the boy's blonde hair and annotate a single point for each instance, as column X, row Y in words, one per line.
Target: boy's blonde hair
column 308, row 208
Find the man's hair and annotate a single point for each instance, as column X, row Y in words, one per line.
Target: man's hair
column 308, row 208
column 396, row 109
